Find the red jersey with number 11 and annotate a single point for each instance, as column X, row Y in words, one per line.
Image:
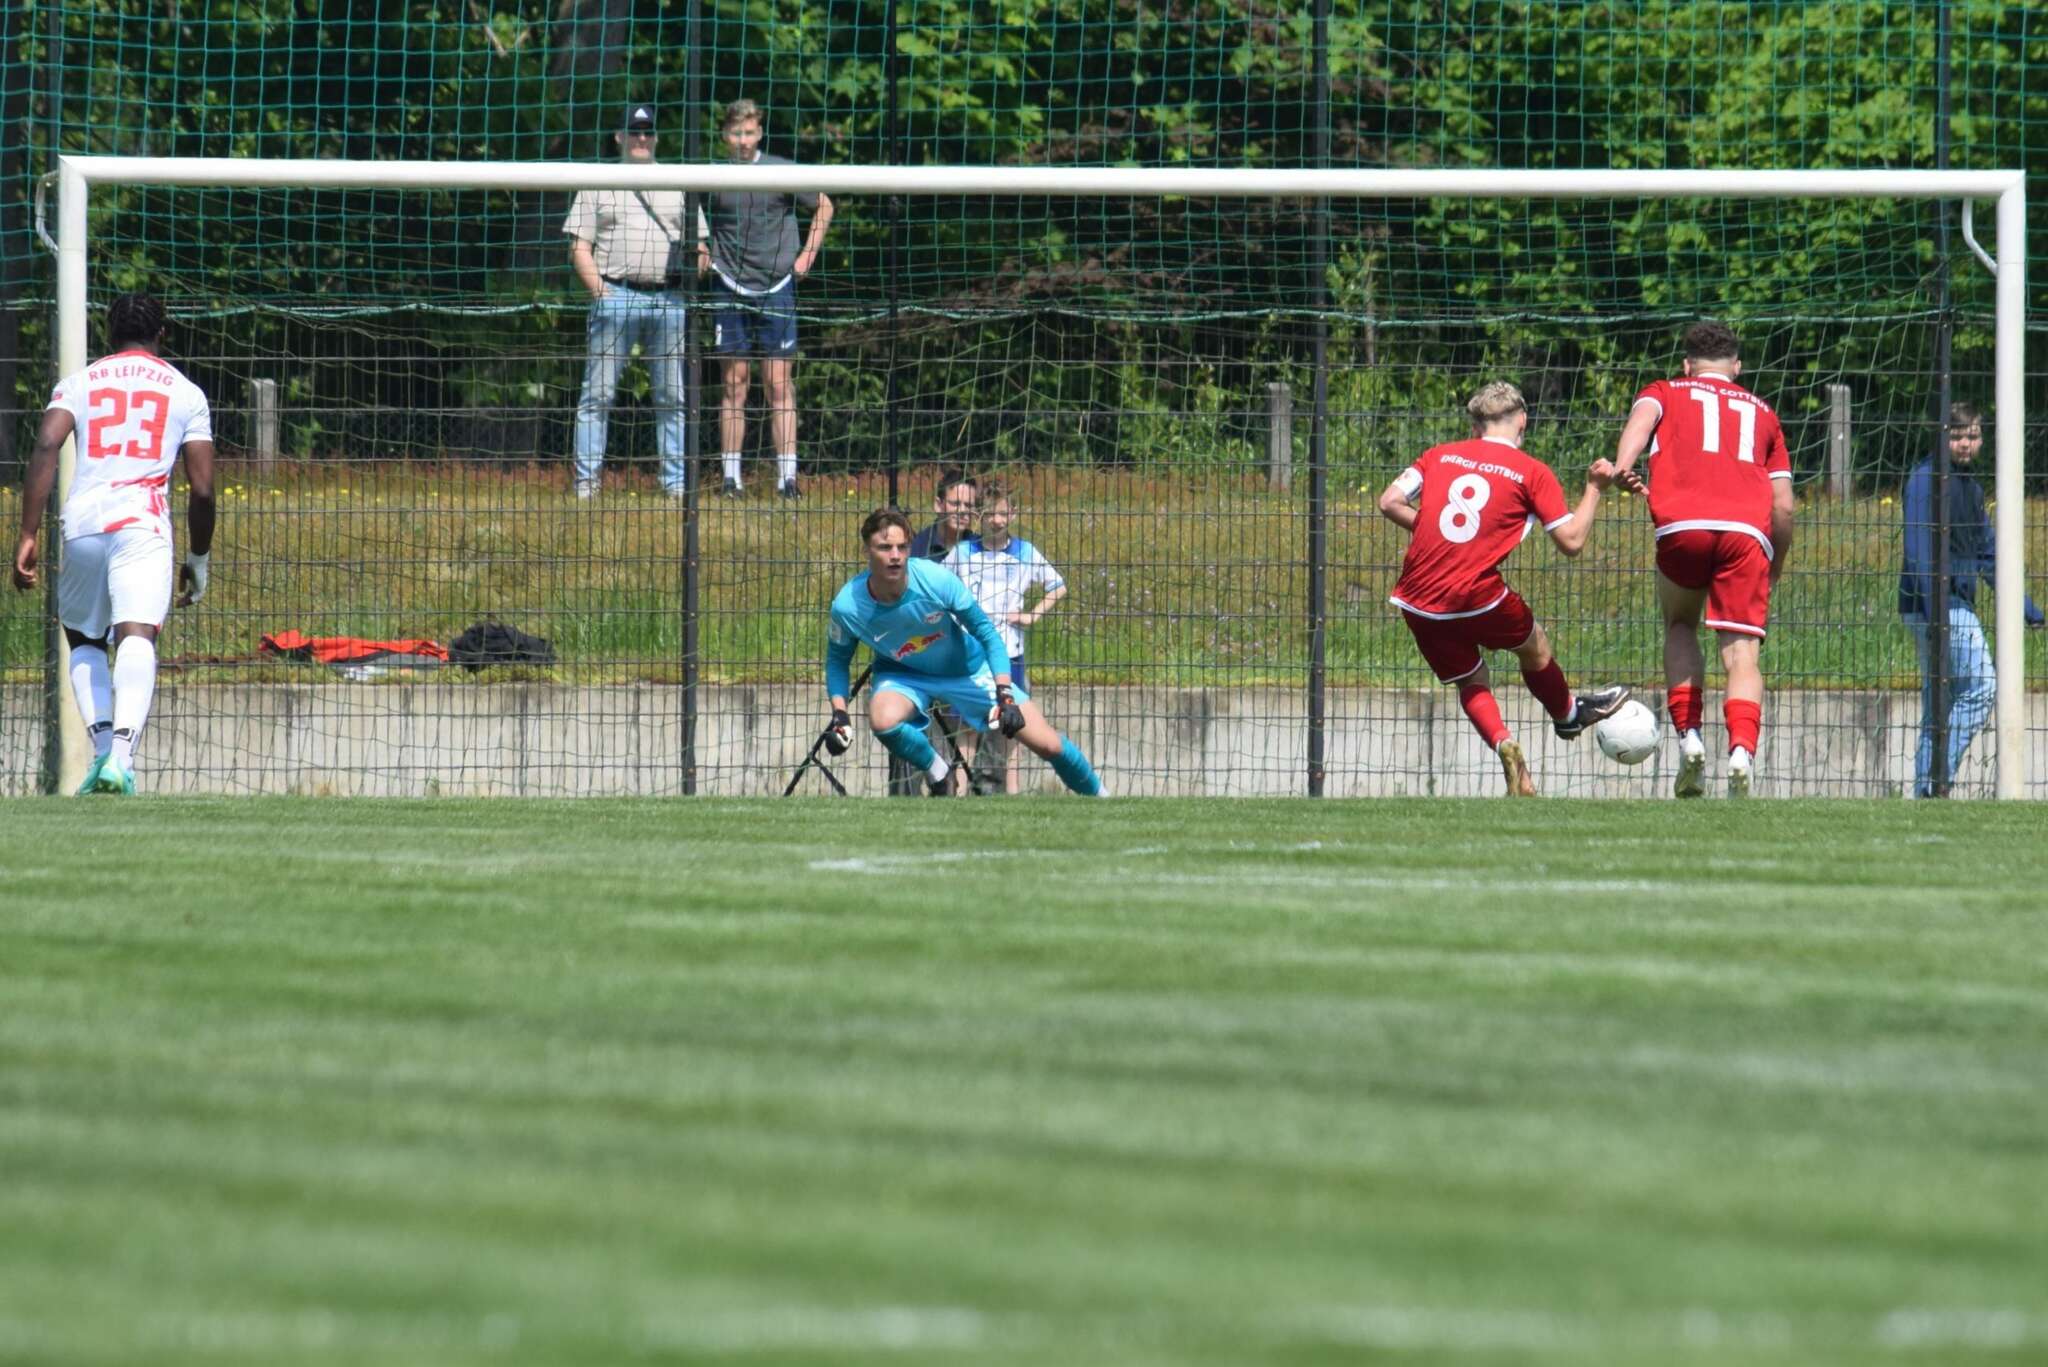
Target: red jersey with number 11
column 133, row 412
column 1475, row 501
column 1716, row 450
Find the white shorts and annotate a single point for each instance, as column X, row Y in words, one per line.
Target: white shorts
column 111, row 577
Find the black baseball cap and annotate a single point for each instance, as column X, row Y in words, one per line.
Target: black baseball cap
column 639, row 118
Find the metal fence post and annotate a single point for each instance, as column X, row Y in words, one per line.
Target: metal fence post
column 1319, row 424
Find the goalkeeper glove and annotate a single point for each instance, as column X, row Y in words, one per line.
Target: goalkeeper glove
column 192, row 579
column 839, row 735
column 1006, row 716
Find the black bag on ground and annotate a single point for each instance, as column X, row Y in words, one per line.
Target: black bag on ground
column 494, row 643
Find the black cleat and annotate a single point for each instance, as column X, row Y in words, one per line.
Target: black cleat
column 731, row 489
column 940, row 787
column 1593, row 708
column 791, row 490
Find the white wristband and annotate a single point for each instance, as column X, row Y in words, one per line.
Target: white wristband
column 196, row 564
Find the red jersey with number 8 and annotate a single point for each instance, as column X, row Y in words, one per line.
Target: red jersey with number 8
column 1475, row 501
column 1716, row 450
column 133, row 412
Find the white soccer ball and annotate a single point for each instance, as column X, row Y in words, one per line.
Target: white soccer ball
column 1630, row 735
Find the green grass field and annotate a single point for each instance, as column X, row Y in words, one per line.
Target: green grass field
column 1026, row 1082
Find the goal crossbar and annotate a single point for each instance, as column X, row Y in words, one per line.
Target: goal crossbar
column 76, row 174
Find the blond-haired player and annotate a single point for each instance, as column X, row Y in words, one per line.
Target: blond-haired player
column 1468, row 505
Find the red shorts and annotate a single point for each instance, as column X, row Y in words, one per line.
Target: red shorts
column 1452, row 644
column 1730, row 566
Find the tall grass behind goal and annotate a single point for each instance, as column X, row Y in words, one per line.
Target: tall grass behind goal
column 394, row 354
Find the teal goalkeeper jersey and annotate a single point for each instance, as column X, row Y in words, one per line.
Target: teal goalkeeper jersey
column 935, row 628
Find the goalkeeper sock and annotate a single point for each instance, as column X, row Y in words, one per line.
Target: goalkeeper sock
column 785, row 469
column 732, row 467
column 94, row 689
column 1745, row 719
column 134, row 687
column 909, row 744
column 1683, row 703
column 1074, row 769
column 1477, row 700
column 1550, row 688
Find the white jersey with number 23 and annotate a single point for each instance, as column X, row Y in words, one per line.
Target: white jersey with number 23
column 134, row 411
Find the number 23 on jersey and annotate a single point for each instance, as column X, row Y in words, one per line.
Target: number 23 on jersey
column 115, row 414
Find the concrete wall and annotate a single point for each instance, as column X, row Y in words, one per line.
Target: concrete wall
column 460, row 738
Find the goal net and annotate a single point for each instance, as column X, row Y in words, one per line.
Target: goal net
column 1192, row 387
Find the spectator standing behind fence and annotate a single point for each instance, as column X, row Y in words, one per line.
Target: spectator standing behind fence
column 955, row 500
column 749, row 243
column 1972, row 682
column 627, row 249
column 1001, row 571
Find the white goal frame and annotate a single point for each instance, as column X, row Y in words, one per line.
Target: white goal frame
column 77, row 175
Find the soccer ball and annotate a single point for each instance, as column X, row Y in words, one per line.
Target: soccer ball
column 1630, row 735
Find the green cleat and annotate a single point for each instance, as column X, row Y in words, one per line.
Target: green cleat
column 114, row 777
column 92, row 776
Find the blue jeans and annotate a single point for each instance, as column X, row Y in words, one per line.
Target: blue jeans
column 1973, row 685
column 654, row 319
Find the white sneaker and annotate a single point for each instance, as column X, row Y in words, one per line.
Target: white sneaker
column 1739, row 768
column 1692, row 766
column 586, row 488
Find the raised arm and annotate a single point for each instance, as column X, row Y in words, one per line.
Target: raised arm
column 1636, row 434
column 1570, row 535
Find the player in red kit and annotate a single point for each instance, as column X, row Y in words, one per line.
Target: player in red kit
column 1468, row 505
column 1720, row 487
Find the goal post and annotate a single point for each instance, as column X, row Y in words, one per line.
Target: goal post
column 77, row 175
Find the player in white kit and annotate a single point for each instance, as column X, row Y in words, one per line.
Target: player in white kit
column 133, row 413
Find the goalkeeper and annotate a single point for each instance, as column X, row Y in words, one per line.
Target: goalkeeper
column 932, row 643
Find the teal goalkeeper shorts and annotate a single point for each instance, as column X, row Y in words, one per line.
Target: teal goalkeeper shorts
column 970, row 696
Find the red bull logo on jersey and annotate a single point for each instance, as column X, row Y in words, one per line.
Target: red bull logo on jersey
column 918, row 644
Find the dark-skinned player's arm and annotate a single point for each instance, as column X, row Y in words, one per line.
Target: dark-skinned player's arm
column 199, row 510
column 57, row 427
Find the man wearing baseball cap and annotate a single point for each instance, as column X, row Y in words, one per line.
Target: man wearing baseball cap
column 626, row 247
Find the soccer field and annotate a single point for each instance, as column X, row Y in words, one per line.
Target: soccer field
column 1040, row 1081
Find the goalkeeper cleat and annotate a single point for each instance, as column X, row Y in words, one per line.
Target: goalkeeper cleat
column 940, row 787
column 114, row 777
column 1516, row 769
column 1740, row 767
column 1592, row 708
column 1692, row 766
column 92, row 775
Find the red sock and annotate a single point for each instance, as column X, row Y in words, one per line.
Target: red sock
column 1551, row 690
column 1477, row 700
column 1745, row 719
column 1683, row 704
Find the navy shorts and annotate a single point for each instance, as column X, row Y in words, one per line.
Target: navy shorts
column 762, row 325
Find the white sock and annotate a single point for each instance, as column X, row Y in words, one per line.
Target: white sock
column 785, row 469
column 732, row 467
column 939, row 769
column 94, row 689
column 134, row 687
